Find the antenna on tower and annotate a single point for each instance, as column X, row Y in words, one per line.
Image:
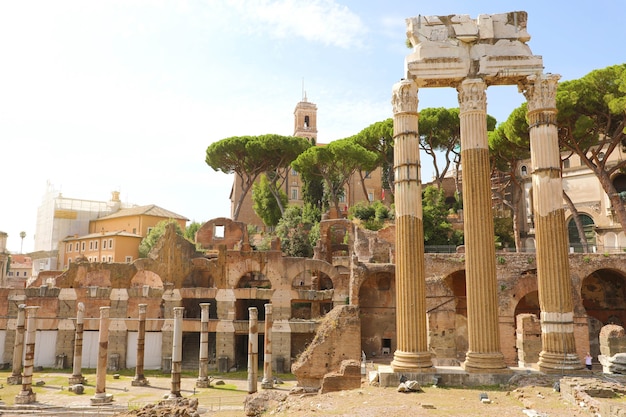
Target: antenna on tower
column 303, row 91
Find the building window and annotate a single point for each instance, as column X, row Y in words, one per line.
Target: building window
column 524, row 170
column 82, row 246
column 134, row 231
column 110, row 243
column 149, row 230
column 294, row 173
column 128, row 259
column 306, row 122
column 104, row 259
column 69, row 247
column 294, row 193
column 69, row 261
column 95, row 245
column 109, row 258
column 218, row 232
column 370, row 196
column 10, row 273
column 566, row 164
column 90, row 245
column 342, row 198
column 368, row 174
column 104, row 243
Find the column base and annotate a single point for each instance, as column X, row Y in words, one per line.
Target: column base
column 140, row 382
column 25, row 397
column 556, row 363
column 203, row 382
column 100, row 399
column 267, row 383
column 484, row 363
column 14, row 380
column 412, row 362
column 77, row 379
column 174, row 395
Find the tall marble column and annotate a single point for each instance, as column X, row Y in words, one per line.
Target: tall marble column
column 483, row 353
column 140, row 379
column 253, row 349
column 101, row 397
column 412, row 344
column 267, row 382
column 177, row 352
column 27, row 396
column 77, row 375
column 203, row 371
column 553, row 274
column 18, row 348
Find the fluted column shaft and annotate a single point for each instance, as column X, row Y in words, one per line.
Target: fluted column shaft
column 177, row 352
column 253, row 349
column 484, row 353
column 140, row 378
column 77, row 362
column 18, row 348
column 203, row 367
column 267, row 381
column 553, row 274
column 27, row 395
column 412, row 344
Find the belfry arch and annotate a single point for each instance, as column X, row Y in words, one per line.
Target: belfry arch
column 470, row 55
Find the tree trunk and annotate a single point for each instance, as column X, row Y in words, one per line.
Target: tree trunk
column 617, row 205
column 363, row 187
column 577, row 221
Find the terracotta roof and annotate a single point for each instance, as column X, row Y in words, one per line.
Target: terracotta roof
column 103, row 234
column 150, row 210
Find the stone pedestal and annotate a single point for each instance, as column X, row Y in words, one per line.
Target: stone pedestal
column 480, row 260
column 203, row 371
column 412, row 345
column 558, row 353
column 140, row 380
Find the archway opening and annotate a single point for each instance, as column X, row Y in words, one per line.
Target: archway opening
column 377, row 307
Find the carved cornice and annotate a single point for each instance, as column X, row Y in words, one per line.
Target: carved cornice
column 404, row 97
column 472, row 95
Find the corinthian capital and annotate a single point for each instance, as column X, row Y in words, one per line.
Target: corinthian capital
column 472, row 95
column 404, row 97
column 540, row 91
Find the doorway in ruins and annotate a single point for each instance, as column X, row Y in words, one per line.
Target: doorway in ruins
column 603, row 295
column 253, row 279
column 191, row 340
column 241, row 351
column 377, row 305
column 311, row 302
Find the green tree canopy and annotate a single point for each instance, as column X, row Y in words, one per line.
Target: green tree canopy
column 437, row 229
column 250, row 156
column 265, row 205
column 592, row 124
column 155, row 234
column 335, row 163
column 378, row 138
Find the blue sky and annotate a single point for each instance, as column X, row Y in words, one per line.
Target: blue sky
column 126, row 95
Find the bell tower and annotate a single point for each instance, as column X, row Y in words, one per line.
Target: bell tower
column 305, row 120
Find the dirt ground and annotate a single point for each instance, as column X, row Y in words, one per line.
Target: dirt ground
column 533, row 398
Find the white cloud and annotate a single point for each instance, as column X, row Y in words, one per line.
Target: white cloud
column 322, row 21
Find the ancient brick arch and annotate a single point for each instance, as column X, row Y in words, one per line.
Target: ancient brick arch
column 297, row 270
column 603, row 295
